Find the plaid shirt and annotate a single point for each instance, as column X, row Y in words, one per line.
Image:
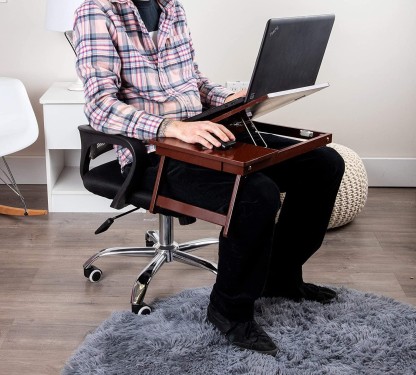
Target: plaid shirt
column 130, row 84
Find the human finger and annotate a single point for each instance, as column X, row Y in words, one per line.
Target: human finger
column 220, row 131
column 227, row 132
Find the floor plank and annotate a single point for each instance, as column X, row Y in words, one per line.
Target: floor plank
column 47, row 307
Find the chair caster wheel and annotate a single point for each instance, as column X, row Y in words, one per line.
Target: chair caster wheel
column 141, row 309
column 93, row 273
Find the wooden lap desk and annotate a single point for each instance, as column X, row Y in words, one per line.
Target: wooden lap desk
column 240, row 160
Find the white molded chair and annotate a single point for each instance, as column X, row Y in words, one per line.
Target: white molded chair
column 18, row 130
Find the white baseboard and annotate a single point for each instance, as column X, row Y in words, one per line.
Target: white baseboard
column 391, row 172
column 387, row 172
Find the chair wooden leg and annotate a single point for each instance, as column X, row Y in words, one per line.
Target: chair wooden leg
column 9, row 181
column 15, row 211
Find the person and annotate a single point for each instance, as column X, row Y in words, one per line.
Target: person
column 137, row 63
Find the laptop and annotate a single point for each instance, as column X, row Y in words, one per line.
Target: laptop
column 289, row 58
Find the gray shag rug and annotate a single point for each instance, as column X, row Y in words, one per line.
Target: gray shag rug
column 359, row 334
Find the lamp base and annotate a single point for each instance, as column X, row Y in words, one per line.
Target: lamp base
column 76, row 86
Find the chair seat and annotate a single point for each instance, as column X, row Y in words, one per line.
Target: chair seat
column 106, row 179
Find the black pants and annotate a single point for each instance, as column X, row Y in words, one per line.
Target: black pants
column 259, row 253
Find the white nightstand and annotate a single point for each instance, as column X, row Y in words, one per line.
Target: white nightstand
column 63, row 113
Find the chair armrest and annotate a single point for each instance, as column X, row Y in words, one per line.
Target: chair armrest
column 90, row 137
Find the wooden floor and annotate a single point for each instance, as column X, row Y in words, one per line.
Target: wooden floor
column 47, row 306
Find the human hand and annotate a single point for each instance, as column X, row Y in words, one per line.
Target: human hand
column 238, row 94
column 199, row 132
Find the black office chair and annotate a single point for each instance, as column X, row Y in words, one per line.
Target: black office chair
column 106, row 180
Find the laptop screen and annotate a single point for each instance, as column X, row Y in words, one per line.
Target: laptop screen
column 290, row 55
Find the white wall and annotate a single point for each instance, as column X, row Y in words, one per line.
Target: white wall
column 370, row 64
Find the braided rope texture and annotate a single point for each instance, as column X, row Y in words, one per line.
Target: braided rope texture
column 353, row 192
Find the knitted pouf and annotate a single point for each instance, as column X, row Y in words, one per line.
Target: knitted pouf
column 353, row 191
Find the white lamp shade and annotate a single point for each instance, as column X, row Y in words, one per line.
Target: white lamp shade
column 60, row 14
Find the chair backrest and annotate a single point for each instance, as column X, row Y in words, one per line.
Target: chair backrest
column 99, row 149
column 18, row 125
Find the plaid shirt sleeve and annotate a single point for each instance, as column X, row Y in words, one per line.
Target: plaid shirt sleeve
column 212, row 94
column 99, row 66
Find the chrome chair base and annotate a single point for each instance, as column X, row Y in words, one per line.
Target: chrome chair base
column 163, row 249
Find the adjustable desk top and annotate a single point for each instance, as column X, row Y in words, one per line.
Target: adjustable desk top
column 242, row 158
